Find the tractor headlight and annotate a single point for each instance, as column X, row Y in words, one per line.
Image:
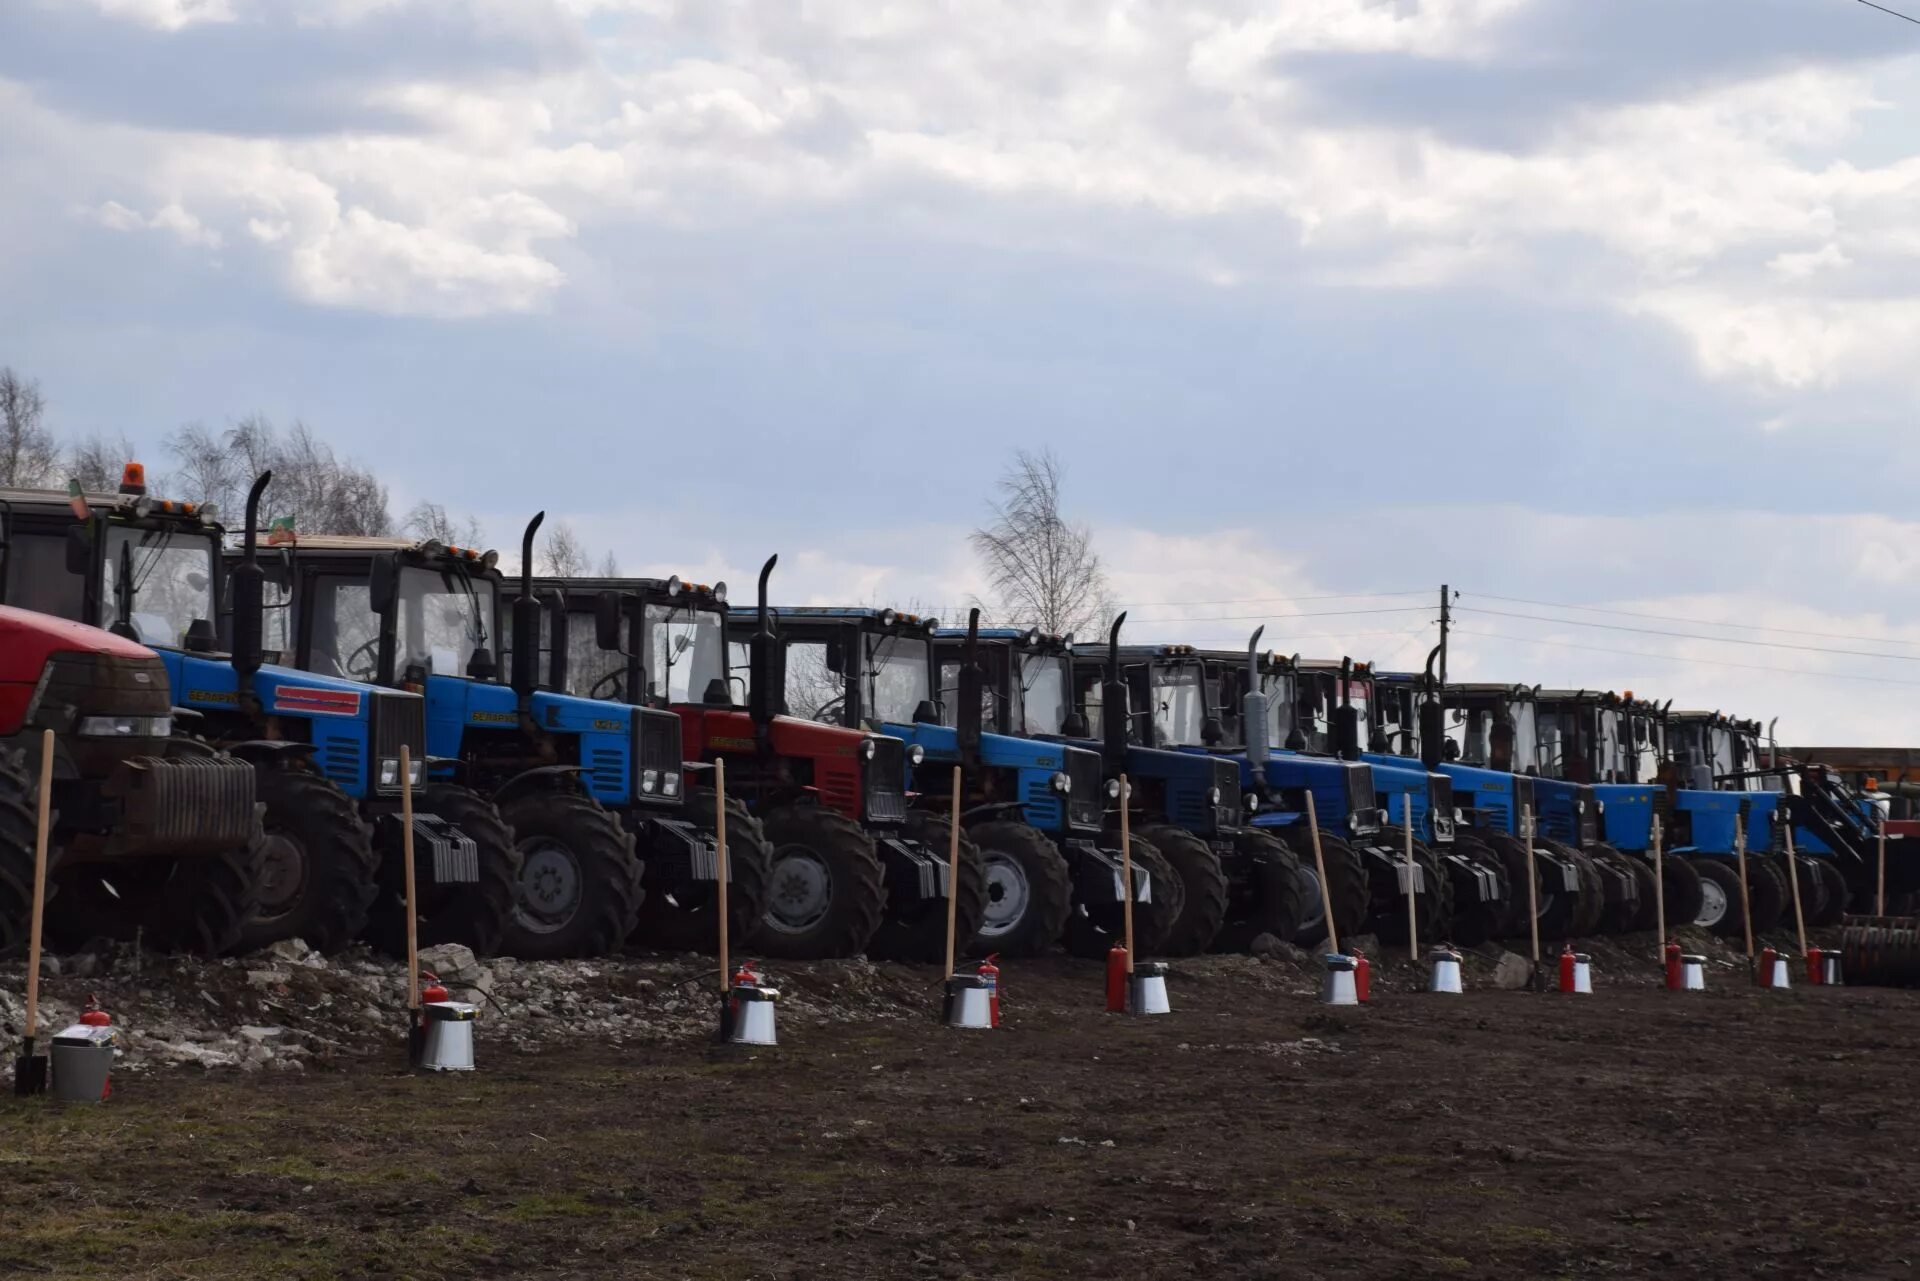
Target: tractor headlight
column 416, row 770
column 126, row 726
column 389, row 771
column 649, row 779
column 1061, row 783
column 1113, row 789
column 867, row 748
column 916, row 754
column 1251, row 800
column 670, row 785
column 1213, row 796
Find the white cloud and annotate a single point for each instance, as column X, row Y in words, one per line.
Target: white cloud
column 169, row 217
column 166, row 15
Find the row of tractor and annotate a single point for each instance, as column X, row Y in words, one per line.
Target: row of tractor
column 235, row 721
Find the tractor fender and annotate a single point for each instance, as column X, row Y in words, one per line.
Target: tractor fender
column 540, row 776
column 268, row 751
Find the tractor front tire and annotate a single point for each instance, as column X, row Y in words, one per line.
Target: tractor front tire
column 1834, row 906
column 1721, row 910
column 1093, row 932
column 18, row 805
column 1203, row 884
column 475, row 914
column 579, row 885
column 1622, row 916
column 1347, row 886
column 826, row 890
column 1029, row 890
column 1432, row 904
column 1767, row 893
column 321, row 870
column 922, row 935
column 680, row 915
column 1684, row 893
column 1474, row 921
column 1275, row 899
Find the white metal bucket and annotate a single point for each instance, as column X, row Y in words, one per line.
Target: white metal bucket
column 449, row 1044
column 1779, row 976
column 1693, row 974
column 1147, row 990
column 1582, row 975
column 1339, row 987
column 1445, row 973
column 968, row 1002
column 82, row 1060
column 753, row 1022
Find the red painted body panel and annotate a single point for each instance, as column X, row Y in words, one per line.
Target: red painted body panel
column 28, row 639
column 832, row 752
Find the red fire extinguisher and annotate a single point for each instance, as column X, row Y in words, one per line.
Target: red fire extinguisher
column 1674, row 978
column 1767, row 957
column 1566, row 967
column 745, row 976
column 430, row 989
column 1117, row 980
column 1816, row 966
column 1362, row 977
column 94, row 1016
column 990, row 975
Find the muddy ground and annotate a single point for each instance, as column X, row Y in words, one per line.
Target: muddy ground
column 1254, row 1133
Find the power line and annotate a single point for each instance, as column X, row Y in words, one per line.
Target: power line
column 1682, row 658
column 1697, row 622
column 1266, row 600
column 1895, row 12
column 1717, row 640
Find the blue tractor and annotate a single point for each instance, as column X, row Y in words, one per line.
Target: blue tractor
column 426, row 617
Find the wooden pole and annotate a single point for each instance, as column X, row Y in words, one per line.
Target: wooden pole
column 1659, row 890
column 39, row 883
column 720, row 846
column 1793, row 870
column 1533, row 882
column 1320, row 869
column 1413, row 918
column 1746, row 900
column 953, row 874
column 406, row 861
column 1126, row 865
column 1880, row 894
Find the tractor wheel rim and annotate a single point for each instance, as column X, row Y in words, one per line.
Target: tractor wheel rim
column 1713, row 904
column 550, row 886
column 799, row 889
column 283, row 874
column 1008, row 894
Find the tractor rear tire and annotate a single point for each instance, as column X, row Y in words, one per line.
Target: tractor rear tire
column 1813, row 892
column 1767, row 892
column 680, row 915
column 477, row 914
column 1203, row 884
column 1834, row 906
column 1347, row 885
column 1622, row 916
column 579, row 880
column 922, row 935
column 1684, row 893
column 1555, row 906
column 1274, row 901
column 826, row 891
column 1647, row 915
column 1029, row 890
column 321, row 871
column 19, row 803
column 1432, row 905
column 1475, row 922
column 1721, row 910
column 1584, row 918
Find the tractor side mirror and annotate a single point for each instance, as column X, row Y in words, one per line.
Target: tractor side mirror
column 1212, row 731
column 836, row 656
column 383, row 582
column 1076, row 725
column 606, row 621
column 79, row 549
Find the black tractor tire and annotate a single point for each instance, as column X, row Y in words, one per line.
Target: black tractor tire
column 680, row 915
column 579, row 879
column 1647, row 915
column 1475, row 922
column 1813, row 893
column 1555, row 906
column 1203, row 884
column 1029, row 890
column 819, row 852
column 19, row 803
column 922, row 935
column 1767, row 894
column 205, row 906
column 1274, row 899
column 1347, row 885
column 1092, row 933
column 1720, row 886
column 322, row 870
column 1618, row 916
column 1684, row 893
column 1432, row 905
column 475, row 914
column 1584, row 919
column 1834, row 905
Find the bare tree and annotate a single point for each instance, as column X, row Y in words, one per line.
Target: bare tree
column 97, row 462
column 323, row 492
column 609, row 566
column 431, row 520
column 1042, row 571
column 562, row 555
column 28, row 456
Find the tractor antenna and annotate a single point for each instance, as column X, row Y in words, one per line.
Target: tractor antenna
column 249, row 593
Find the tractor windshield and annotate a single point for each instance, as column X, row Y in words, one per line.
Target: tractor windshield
column 440, row 617
column 1179, row 703
column 1526, row 738
column 1043, row 693
column 1279, row 690
column 897, row 676
column 172, row 581
column 1643, row 752
column 1613, row 765
column 686, row 652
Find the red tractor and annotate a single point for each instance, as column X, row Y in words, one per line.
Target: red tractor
column 173, row 820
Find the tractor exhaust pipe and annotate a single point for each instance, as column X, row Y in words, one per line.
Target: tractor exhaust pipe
column 249, row 589
column 767, row 664
column 1253, row 709
column 1114, row 712
column 966, row 717
column 1432, row 716
column 526, row 620
column 1347, row 737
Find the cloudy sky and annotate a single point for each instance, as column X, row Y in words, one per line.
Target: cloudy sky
column 1609, row 305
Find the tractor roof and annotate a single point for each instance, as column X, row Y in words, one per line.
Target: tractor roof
column 353, row 543
column 1024, row 636
column 639, row 586
column 39, row 501
column 846, row 613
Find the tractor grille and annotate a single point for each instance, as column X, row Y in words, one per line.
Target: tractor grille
column 656, row 747
column 1086, row 803
column 1360, row 795
column 1439, row 808
column 1226, row 780
column 342, row 761
column 187, row 804
column 1522, row 799
column 886, row 781
column 397, row 720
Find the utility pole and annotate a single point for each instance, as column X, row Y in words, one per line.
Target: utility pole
column 1446, row 617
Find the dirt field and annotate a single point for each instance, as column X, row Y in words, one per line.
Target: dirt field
column 1252, row 1134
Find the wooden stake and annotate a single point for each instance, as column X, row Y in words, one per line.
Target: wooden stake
column 1533, row 882
column 1793, row 870
column 406, row 861
column 1746, row 900
column 1880, row 895
column 1320, row 869
column 953, row 873
column 39, row 882
column 1659, row 891
column 1413, row 919
column 720, row 888
column 1126, row 865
